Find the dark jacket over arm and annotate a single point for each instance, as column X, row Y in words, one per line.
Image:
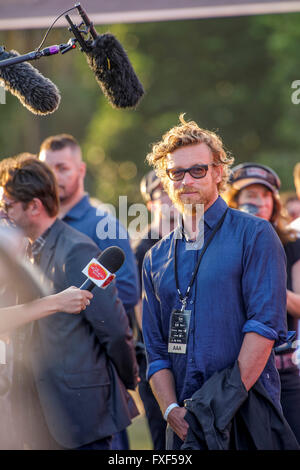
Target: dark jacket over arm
column 222, row 415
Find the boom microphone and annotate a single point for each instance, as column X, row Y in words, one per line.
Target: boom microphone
column 111, row 66
column 37, row 93
column 101, row 271
column 114, row 73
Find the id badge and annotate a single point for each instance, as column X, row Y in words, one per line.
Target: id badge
column 178, row 331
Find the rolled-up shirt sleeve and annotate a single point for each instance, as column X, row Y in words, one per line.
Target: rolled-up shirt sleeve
column 155, row 343
column 264, row 284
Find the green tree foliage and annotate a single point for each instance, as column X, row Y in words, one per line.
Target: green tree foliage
column 232, row 75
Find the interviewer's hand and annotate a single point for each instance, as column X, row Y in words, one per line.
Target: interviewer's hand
column 177, row 422
column 73, row 300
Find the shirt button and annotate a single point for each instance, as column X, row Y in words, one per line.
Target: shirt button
column 191, row 301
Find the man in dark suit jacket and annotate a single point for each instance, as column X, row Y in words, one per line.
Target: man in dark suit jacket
column 79, row 365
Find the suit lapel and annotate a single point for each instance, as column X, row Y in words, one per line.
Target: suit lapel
column 49, row 248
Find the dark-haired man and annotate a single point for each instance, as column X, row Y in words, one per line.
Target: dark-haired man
column 75, row 396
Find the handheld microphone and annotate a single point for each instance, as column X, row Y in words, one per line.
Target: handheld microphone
column 37, row 93
column 100, row 271
column 111, row 66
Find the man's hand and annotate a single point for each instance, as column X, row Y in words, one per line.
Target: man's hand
column 177, row 422
column 163, row 387
column 72, row 300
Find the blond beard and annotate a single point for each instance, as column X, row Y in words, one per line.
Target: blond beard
column 189, row 206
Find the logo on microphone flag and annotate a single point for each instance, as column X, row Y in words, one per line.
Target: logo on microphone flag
column 98, row 274
column 95, row 271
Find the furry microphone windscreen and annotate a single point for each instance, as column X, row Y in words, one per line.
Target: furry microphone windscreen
column 114, row 72
column 37, row 93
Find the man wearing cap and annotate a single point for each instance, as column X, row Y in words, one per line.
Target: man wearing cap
column 163, row 215
column 255, row 189
column 208, row 305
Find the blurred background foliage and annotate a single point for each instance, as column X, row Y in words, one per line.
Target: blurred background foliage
column 231, row 75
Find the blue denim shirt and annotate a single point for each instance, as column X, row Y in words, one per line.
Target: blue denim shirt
column 240, row 287
column 87, row 219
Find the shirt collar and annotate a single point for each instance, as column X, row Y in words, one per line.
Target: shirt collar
column 34, row 249
column 215, row 212
column 211, row 217
column 79, row 210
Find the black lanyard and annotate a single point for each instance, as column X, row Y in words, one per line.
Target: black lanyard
column 183, row 298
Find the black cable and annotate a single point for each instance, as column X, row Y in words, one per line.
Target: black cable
column 49, row 29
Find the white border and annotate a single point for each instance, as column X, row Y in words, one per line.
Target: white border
column 160, row 15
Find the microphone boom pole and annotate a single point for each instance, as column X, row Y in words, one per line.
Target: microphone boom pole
column 87, row 21
column 105, row 56
column 18, row 59
column 55, row 49
column 34, row 55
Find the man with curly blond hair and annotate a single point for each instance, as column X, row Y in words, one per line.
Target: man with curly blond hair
column 214, row 289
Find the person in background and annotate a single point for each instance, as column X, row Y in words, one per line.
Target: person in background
column 163, row 215
column 255, row 189
column 292, row 206
column 63, row 154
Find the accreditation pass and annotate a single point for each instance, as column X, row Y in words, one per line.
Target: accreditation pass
column 178, row 331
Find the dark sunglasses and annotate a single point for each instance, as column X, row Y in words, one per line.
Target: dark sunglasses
column 197, row 171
